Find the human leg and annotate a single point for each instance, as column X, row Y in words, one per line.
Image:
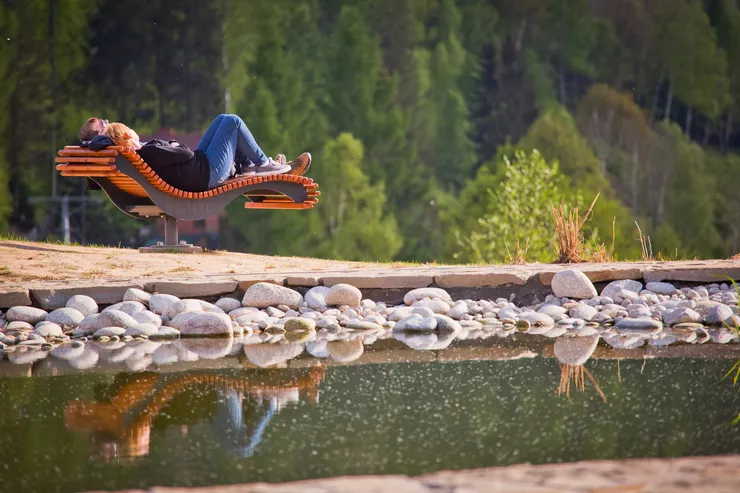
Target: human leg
column 210, row 132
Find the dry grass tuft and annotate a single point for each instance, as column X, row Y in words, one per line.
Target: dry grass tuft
column 520, row 254
column 568, row 225
column 576, row 375
column 646, row 246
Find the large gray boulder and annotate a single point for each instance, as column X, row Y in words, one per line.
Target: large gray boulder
column 83, row 304
column 264, row 294
column 316, row 297
column 207, row 324
column 613, row 289
column 343, row 294
column 25, row 314
column 66, row 317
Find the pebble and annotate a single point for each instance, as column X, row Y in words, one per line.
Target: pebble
column 316, row 297
column 343, row 294
column 134, row 294
column 420, row 293
column 583, row 311
column 263, row 294
column 83, row 304
column 66, row 317
column 27, row 314
column 416, row 323
column 661, row 287
column 228, row 304
column 718, row 315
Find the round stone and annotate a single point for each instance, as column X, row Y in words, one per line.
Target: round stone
column 583, row 311
column 343, row 294
column 18, row 325
column 158, row 303
column 537, row 318
column 363, row 326
column 164, row 333
column 552, row 310
column 661, row 287
column 148, row 317
column 681, row 316
column 299, row 324
column 639, row 326
column 613, row 288
column 316, row 297
column 264, row 294
column 419, row 294
column 25, row 314
column 228, row 304
column 83, row 304
column 446, row 324
column 718, row 315
column 207, row 324
column 48, row 329
column 572, row 283
column 182, row 306
column 416, row 323
column 109, row 331
column 142, row 329
column 127, row 307
column 435, row 305
column 115, row 318
column 458, row 311
column 133, row 294
column 66, row 317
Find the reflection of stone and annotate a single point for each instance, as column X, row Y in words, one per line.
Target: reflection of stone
column 207, row 348
column 345, row 351
column 265, row 355
column 575, row 351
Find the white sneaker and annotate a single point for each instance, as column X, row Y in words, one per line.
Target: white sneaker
column 271, row 167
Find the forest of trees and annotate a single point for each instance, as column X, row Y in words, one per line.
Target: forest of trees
column 440, row 129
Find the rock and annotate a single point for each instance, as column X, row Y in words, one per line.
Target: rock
column 583, row 311
column 316, row 297
column 552, row 310
column 661, row 287
column 435, row 305
column 625, row 341
column 422, row 311
column 572, row 283
column 639, row 326
column 343, row 294
column 25, row 314
column 264, row 294
column 148, row 317
column 722, row 335
column 363, row 326
column 18, row 325
column 83, row 304
column 207, row 324
column 612, row 290
column 638, row 311
column 228, row 304
column 416, row 323
column 345, row 351
column 48, row 329
column 182, row 306
column 266, row 355
column 421, row 293
column 718, row 315
column 88, row 325
column 127, row 307
column 250, row 318
column 446, row 324
column 209, row 307
column 458, row 311
column 141, row 329
column 109, row 331
column 575, row 351
column 164, row 333
column 399, row 313
column 159, row 303
column 536, row 319
column 134, row 294
column 299, row 324
column 66, row 317
column 115, row 318
column 681, row 316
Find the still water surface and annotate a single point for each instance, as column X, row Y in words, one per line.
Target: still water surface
column 201, row 426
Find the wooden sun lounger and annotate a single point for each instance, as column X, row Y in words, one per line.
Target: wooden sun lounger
column 134, row 187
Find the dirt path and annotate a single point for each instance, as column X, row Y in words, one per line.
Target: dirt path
column 28, row 261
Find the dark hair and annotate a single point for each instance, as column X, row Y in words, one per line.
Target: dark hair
column 87, row 132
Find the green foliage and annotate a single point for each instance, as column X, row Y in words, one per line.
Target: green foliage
column 517, row 208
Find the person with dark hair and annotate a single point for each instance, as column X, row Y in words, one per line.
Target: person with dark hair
column 92, row 128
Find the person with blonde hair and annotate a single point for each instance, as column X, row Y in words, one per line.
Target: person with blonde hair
column 227, row 140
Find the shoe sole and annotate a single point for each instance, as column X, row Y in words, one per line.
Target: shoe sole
column 275, row 171
column 299, row 171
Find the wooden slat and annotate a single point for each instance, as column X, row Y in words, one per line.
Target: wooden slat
column 287, row 205
column 81, row 167
column 85, row 152
column 101, row 160
column 95, row 174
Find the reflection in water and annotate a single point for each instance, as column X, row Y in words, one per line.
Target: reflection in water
column 572, row 352
column 245, row 401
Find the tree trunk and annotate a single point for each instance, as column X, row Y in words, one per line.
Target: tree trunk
column 656, row 93
column 707, row 132
column 728, row 130
column 689, row 115
column 669, row 101
column 633, row 179
column 561, row 62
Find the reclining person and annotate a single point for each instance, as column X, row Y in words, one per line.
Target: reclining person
column 90, row 129
column 212, row 162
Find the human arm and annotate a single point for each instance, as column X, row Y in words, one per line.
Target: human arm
column 160, row 153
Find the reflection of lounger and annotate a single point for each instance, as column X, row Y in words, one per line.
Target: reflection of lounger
column 127, row 418
column 134, row 187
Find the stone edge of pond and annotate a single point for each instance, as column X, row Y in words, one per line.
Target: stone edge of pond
column 712, row 474
column 383, row 284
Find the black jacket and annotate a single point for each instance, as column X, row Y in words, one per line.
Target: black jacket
column 177, row 165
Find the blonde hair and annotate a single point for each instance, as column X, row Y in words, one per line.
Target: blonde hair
column 119, row 133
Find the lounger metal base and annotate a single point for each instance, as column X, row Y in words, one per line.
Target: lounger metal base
column 162, row 248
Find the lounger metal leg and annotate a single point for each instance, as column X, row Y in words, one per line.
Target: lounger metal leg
column 171, row 240
column 170, row 231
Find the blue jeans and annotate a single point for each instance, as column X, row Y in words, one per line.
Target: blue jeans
column 226, row 140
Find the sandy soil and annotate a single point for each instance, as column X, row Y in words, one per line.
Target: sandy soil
column 28, row 261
